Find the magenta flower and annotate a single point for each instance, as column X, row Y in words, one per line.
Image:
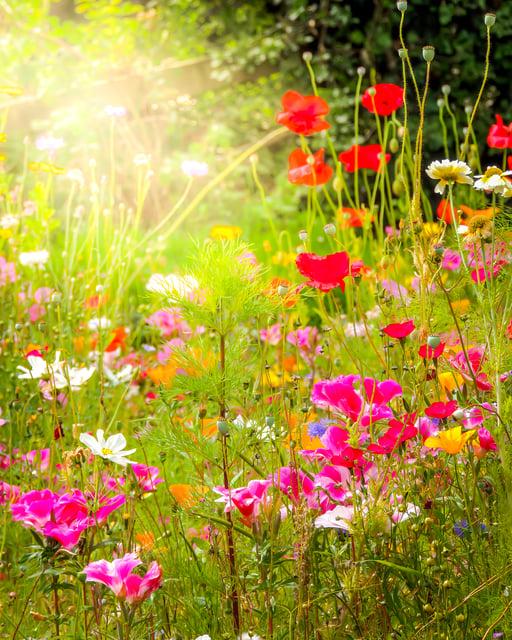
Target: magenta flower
column 248, row 500
column 62, row 517
column 485, row 442
column 472, row 365
column 118, row 576
column 147, row 476
column 362, row 400
column 441, row 409
column 451, row 260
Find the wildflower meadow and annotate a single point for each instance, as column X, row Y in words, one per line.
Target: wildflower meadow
column 255, row 381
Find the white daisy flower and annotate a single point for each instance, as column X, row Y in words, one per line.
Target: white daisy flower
column 34, row 258
column 449, row 172
column 493, row 180
column 113, row 448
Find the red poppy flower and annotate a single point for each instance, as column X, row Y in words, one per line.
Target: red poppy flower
column 441, row 409
column 500, row 135
column 399, row 330
column 303, row 114
column 446, row 213
column 324, row 272
column 352, row 218
column 427, row 353
column 118, row 341
column 386, row 99
column 368, row 157
column 310, row 170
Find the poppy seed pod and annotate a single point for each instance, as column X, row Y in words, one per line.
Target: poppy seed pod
column 282, row 290
column 489, row 19
column 428, row 53
column 223, row 428
column 446, row 89
column 401, row 5
column 394, row 145
column 361, row 71
column 433, row 341
column 303, row 235
column 330, row 229
column 402, row 53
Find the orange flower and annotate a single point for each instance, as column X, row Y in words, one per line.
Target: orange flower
column 162, row 374
column 187, row 495
column 290, row 296
column 452, row 441
column 146, row 540
column 471, row 213
column 349, row 217
column 450, row 381
column 118, row 341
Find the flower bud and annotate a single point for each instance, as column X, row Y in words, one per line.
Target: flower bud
column 459, row 414
column 307, row 56
column 440, row 103
column 371, row 91
column 303, row 235
column 428, row 53
column 489, row 19
column 337, row 184
column 433, row 341
column 401, row 5
column 282, row 290
column 330, row 229
column 446, row 89
column 223, row 428
column 468, row 109
column 402, row 53
column 361, row 71
column 394, row 145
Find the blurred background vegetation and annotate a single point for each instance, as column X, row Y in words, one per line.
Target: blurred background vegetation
column 202, row 79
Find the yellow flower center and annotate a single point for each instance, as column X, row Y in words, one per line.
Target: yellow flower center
column 492, row 171
column 106, row 452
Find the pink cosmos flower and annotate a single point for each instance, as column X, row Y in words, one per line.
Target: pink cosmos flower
column 8, row 492
column 272, row 335
column 295, row 484
column 147, row 476
column 7, row 272
column 362, row 400
column 170, row 322
column 248, row 500
column 62, row 517
column 485, row 443
column 119, row 577
column 473, row 365
column 394, row 289
column 332, row 484
column 451, row 260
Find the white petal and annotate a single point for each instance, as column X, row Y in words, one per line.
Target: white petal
column 116, row 443
column 91, row 442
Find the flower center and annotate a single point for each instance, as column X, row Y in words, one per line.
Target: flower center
column 106, row 452
column 492, row 171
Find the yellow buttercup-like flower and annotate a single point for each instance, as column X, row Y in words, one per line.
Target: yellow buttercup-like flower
column 225, row 232
column 452, row 441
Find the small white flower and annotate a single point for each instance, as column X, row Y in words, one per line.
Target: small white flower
column 74, row 377
column 172, row 284
column 121, row 376
column 38, row 368
column 493, row 180
column 194, row 168
column 113, row 448
column 49, row 143
column 338, row 518
column 99, row 323
column 34, row 258
column 9, row 222
column 76, row 175
column 449, row 172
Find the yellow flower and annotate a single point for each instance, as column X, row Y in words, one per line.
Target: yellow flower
column 451, row 441
column 225, row 232
column 283, row 258
column 11, row 90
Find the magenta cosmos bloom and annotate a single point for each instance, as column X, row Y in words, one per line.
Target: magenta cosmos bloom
column 119, row 577
column 62, row 517
column 362, row 400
